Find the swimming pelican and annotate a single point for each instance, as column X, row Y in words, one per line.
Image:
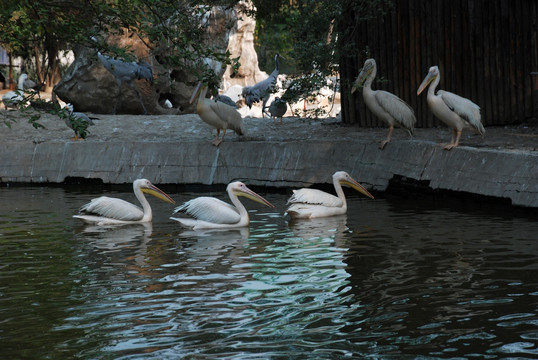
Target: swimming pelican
column 212, row 213
column 217, row 114
column 384, row 105
column 110, row 211
column 313, row 203
column 455, row 111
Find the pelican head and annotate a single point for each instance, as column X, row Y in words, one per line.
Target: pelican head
column 147, row 187
column 433, row 73
column 240, row 189
column 344, row 178
column 368, row 68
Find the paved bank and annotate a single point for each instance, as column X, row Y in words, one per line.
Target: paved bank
column 177, row 150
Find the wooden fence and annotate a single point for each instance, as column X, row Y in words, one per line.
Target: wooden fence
column 487, row 51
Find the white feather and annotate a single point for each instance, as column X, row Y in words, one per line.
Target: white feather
column 210, row 209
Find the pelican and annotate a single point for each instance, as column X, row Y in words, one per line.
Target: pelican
column 217, row 114
column 455, row 111
column 277, row 109
column 212, row 213
column 262, row 90
column 112, row 211
column 384, row 105
column 312, row 203
column 13, row 98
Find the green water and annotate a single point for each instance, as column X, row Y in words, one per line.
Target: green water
column 394, row 278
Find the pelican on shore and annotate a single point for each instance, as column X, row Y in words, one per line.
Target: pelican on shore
column 313, row 203
column 112, row 211
column 384, row 105
column 455, row 111
column 217, row 114
column 212, row 213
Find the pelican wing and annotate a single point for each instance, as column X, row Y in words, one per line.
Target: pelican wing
column 113, row 208
column 229, row 115
column 314, row 197
column 399, row 109
column 465, row 108
column 210, row 209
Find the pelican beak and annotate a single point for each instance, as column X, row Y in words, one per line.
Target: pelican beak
column 428, row 79
column 255, row 197
column 196, row 91
column 158, row 193
column 363, row 75
column 355, row 185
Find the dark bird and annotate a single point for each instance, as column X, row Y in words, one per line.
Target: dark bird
column 127, row 72
column 277, row 109
column 455, row 111
column 383, row 104
column 262, row 90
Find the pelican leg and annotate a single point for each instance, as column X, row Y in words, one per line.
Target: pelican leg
column 387, row 140
column 217, row 140
column 455, row 140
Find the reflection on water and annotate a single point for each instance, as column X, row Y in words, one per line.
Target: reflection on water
column 391, row 279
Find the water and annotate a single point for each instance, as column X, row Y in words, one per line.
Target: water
column 394, row 278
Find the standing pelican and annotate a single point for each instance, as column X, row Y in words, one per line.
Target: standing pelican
column 313, row 203
column 212, row 213
column 455, row 111
column 262, row 90
column 217, row 114
column 110, row 211
column 384, row 105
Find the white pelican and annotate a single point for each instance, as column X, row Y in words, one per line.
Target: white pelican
column 384, row 105
column 13, row 98
column 217, row 114
column 313, row 203
column 212, row 213
column 111, row 211
column 454, row 110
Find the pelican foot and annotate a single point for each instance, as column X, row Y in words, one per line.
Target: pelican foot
column 450, row 146
column 383, row 144
column 216, row 142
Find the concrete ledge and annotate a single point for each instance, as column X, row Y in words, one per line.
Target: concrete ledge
column 501, row 173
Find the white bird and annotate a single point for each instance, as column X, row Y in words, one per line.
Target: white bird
column 384, row 105
column 212, row 213
column 277, row 109
column 455, row 111
column 262, row 90
column 13, row 98
column 127, row 72
column 78, row 122
column 112, row 211
column 217, row 114
column 313, row 203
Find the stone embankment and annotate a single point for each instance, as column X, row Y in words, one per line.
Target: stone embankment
column 177, row 150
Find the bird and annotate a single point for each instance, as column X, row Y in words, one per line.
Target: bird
column 455, row 111
column 212, row 213
column 12, row 99
column 124, row 71
column 277, row 109
column 312, row 203
column 105, row 210
column 383, row 104
column 217, row 114
column 225, row 99
column 263, row 89
column 78, row 122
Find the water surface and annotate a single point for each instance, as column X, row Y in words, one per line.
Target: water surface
column 394, row 278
